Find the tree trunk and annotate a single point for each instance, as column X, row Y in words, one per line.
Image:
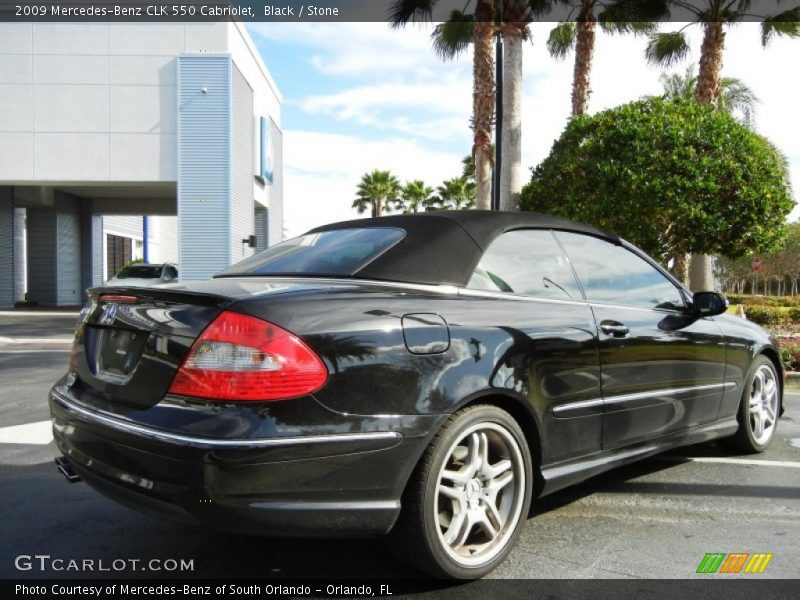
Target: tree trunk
column 376, row 207
column 706, row 92
column 680, row 268
column 701, row 274
column 710, row 75
column 483, row 100
column 584, row 52
column 511, row 166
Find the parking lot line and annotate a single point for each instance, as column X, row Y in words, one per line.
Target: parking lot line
column 39, row 433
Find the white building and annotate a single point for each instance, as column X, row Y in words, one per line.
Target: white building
column 102, row 124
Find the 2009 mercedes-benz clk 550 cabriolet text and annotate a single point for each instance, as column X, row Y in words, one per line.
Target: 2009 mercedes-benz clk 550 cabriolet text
column 420, row 376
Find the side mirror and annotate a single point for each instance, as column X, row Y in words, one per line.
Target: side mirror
column 708, row 304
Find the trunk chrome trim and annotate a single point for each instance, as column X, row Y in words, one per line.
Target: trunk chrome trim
column 215, row 443
column 563, row 410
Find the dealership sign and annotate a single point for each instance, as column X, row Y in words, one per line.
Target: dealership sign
column 266, row 151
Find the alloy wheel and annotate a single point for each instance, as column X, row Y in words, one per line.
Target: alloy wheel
column 763, row 404
column 480, row 493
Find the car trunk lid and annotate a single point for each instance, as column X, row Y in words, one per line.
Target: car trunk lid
column 130, row 341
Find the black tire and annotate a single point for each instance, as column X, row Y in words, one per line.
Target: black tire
column 418, row 537
column 746, row 439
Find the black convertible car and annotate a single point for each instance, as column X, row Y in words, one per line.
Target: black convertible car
column 420, row 376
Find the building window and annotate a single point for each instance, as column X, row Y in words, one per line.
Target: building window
column 119, row 253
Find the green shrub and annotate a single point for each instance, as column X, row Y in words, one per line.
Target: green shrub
column 794, row 315
column 790, row 355
column 669, row 177
column 748, row 300
column 764, row 315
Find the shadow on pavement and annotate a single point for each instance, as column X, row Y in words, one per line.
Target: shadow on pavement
column 43, row 514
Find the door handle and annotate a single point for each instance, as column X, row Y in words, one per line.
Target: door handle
column 614, row 329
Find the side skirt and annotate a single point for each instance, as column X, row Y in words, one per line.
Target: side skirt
column 564, row 474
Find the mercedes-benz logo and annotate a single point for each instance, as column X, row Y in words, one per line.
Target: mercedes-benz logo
column 108, row 313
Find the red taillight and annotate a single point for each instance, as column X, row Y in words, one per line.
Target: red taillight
column 118, row 299
column 239, row 357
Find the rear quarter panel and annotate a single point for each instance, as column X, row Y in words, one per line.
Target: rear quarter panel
column 537, row 354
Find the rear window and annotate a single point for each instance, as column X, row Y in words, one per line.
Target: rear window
column 337, row 252
column 140, row 272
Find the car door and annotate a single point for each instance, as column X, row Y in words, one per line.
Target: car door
column 551, row 347
column 662, row 367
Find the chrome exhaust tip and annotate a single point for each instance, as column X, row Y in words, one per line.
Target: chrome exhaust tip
column 66, row 470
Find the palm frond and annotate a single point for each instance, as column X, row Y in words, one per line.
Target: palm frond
column 736, row 96
column 541, row 8
column 562, row 39
column 786, row 23
column 635, row 11
column 626, row 27
column 666, row 48
column 679, row 86
column 361, row 205
column 403, row 12
column 454, row 36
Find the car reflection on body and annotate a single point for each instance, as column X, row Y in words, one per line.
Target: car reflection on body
column 420, row 376
column 144, row 275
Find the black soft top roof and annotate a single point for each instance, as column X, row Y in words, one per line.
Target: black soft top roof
column 444, row 247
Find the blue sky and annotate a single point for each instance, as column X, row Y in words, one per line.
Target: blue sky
column 359, row 96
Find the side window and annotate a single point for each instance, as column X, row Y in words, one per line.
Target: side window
column 526, row 261
column 614, row 274
column 172, row 272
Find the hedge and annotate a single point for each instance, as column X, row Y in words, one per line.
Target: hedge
column 766, row 315
column 775, row 301
column 790, row 355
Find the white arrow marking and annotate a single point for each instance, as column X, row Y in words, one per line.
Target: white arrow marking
column 40, row 433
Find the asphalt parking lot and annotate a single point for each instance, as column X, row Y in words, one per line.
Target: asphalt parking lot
column 656, row 519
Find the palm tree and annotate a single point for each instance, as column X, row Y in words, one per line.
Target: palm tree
column 735, row 96
column 614, row 16
column 514, row 17
column 456, row 194
column 414, row 196
column 450, row 39
column 376, row 190
column 512, row 20
column 667, row 48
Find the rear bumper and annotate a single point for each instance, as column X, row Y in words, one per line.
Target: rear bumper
column 331, row 485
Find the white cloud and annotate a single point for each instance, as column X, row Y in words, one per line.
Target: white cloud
column 444, row 97
column 426, row 109
column 391, row 81
column 358, row 49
